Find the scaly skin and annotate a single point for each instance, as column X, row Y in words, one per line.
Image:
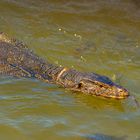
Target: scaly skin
column 18, row 61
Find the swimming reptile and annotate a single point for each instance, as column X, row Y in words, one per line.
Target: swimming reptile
column 19, row 61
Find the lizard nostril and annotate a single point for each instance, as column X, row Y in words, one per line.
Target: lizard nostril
column 120, row 90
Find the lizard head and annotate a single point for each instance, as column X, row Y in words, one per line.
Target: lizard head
column 98, row 85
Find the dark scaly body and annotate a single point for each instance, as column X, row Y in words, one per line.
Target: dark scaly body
column 17, row 60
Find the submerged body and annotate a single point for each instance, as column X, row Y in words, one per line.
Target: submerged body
column 18, row 61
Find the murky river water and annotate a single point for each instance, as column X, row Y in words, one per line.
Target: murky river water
column 88, row 35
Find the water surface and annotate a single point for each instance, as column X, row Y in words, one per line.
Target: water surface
column 95, row 36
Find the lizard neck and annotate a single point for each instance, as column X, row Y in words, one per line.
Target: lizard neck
column 60, row 75
column 49, row 72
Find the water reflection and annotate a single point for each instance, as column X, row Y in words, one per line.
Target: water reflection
column 105, row 137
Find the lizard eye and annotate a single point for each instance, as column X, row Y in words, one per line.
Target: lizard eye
column 84, row 83
column 101, row 86
column 80, row 85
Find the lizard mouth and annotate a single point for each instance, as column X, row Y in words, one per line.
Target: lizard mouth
column 114, row 92
column 115, row 97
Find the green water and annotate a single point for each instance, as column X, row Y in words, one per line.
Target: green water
column 88, row 35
